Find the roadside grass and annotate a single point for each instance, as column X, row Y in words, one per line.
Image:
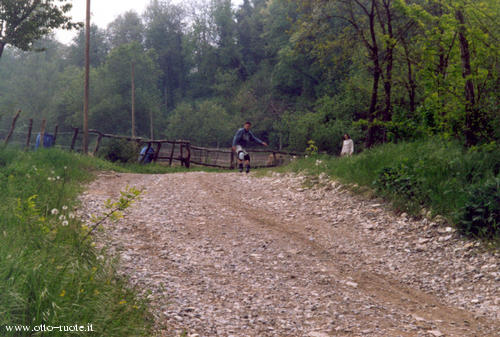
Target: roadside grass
column 48, row 273
column 433, row 177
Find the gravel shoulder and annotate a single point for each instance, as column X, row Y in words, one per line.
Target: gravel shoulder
column 225, row 254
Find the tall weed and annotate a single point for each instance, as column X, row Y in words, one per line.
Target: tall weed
column 50, row 275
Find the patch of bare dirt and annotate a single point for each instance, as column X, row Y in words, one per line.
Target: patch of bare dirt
column 225, row 254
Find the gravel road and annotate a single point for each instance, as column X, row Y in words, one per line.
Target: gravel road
column 225, row 254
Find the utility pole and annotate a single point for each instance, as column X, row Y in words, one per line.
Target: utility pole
column 151, row 128
column 86, row 94
column 133, row 98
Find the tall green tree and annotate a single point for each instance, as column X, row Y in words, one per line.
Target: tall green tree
column 30, row 82
column 164, row 33
column 99, row 47
column 22, row 22
column 225, row 29
column 250, row 28
column 458, row 68
column 200, row 50
column 112, row 109
column 126, row 28
column 206, row 123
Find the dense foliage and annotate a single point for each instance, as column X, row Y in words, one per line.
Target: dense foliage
column 22, row 22
column 380, row 70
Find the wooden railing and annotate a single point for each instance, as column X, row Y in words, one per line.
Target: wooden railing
column 163, row 150
column 187, row 154
column 260, row 157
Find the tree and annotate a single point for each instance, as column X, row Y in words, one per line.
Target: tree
column 458, row 67
column 99, row 48
column 225, row 29
column 126, row 28
column 200, row 50
column 205, row 123
column 111, row 111
column 164, row 34
column 22, row 22
column 249, row 28
column 28, row 80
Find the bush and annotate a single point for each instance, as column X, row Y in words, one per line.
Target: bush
column 402, row 180
column 119, row 150
column 312, row 149
column 481, row 214
column 399, row 179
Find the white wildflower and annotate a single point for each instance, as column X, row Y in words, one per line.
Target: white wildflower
column 65, row 207
column 65, row 223
column 71, row 215
column 62, row 217
column 58, row 177
column 54, row 211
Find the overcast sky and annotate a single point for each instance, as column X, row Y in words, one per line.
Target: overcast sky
column 105, row 11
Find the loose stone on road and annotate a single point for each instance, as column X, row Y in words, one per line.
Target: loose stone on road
column 225, row 254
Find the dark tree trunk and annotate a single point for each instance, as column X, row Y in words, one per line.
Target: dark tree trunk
column 2, row 46
column 165, row 97
column 371, row 138
column 387, row 115
column 411, row 87
column 471, row 114
column 132, row 84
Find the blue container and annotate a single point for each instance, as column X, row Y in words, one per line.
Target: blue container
column 48, row 141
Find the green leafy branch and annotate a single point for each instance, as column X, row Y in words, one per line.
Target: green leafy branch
column 115, row 209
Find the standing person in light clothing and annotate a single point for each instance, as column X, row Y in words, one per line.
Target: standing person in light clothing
column 347, row 146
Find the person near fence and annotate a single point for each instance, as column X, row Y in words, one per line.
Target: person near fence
column 347, row 146
column 240, row 141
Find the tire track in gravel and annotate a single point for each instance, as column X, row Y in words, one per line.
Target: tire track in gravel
column 220, row 264
column 408, row 301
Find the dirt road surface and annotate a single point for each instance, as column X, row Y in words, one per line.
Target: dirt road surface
column 225, row 254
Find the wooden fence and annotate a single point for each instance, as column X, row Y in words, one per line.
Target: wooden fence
column 164, row 151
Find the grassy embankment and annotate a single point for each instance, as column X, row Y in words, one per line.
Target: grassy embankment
column 50, row 274
column 436, row 176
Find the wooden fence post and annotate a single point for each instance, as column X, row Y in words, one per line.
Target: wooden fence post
column 55, row 133
column 231, row 164
column 97, row 144
column 157, row 153
column 12, row 127
column 172, row 154
column 42, row 133
column 73, row 141
column 182, row 153
column 30, row 129
column 188, row 158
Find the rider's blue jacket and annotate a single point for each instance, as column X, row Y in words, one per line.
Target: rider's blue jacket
column 243, row 137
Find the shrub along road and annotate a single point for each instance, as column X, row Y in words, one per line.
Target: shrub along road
column 224, row 254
